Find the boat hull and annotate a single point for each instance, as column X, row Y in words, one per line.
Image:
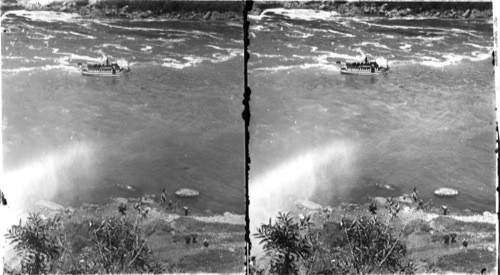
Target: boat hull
column 362, row 72
column 107, row 74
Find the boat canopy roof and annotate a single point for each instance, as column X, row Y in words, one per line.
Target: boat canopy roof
column 362, row 63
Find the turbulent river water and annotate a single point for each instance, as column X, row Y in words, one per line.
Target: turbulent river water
column 174, row 122
column 332, row 138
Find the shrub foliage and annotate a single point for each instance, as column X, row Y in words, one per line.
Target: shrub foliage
column 284, row 244
column 352, row 246
column 95, row 246
column 36, row 243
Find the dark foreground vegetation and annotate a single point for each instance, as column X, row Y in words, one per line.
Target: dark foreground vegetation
column 403, row 235
column 363, row 245
column 104, row 246
column 124, row 236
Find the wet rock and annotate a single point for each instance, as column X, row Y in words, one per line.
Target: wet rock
column 147, row 201
column 231, row 15
column 187, row 193
column 328, row 209
column 475, row 14
column 216, row 16
column 466, row 13
column 150, row 196
column 134, row 200
column 256, row 11
column 392, row 12
column 416, row 226
column 49, row 205
column 145, row 14
column 404, row 199
column 446, row 192
column 89, row 206
column 120, row 200
column 312, row 213
column 380, row 201
column 307, row 205
column 207, row 15
column 383, row 8
column 405, row 12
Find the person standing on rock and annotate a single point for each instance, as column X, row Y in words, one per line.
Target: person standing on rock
column 163, row 195
column 414, row 194
column 445, row 210
column 3, row 199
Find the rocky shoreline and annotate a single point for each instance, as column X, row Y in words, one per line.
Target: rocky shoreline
column 233, row 10
column 140, row 10
column 451, row 10
column 166, row 229
column 424, row 229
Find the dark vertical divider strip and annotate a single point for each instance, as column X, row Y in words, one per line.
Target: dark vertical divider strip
column 247, row 5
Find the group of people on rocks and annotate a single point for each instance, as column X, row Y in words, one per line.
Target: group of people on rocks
column 394, row 209
column 394, row 206
column 144, row 210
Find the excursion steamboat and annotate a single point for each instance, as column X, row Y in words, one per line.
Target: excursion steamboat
column 363, row 68
column 106, row 69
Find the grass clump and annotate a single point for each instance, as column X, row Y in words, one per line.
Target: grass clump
column 451, row 224
column 193, row 225
column 464, row 260
column 217, row 260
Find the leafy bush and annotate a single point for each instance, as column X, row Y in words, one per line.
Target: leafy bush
column 371, row 247
column 36, row 242
column 93, row 246
column 284, row 244
column 116, row 246
column 360, row 246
